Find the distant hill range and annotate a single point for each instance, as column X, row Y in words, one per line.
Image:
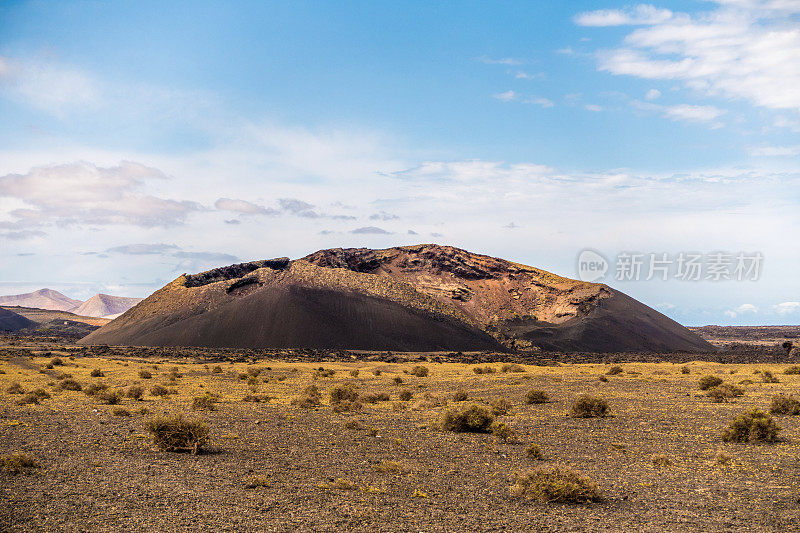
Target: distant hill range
column 415, row 298
column 99, row 305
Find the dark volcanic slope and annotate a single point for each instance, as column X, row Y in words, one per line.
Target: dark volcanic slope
column 296, row 305
column 617, row 324
column 416, row 298
column 10, row 322
column 523, row 305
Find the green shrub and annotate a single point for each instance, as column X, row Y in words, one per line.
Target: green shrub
column 752, row 426
column 97, row 373
column 784, row 405
column 709, row 381
column 473, row 419
column 419, row 371
column 614, row 370
column 536, row 396
column 16, row 463
column 69, row 384
column 177, row 433
column 587, row 406
column 555, row 484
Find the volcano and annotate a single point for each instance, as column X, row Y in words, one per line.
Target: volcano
column 415, row 298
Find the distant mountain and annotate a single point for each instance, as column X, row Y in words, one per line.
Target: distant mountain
column 10, row 321
column 105, row 306
column 42, row 299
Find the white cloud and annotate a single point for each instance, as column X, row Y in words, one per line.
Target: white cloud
column 642, row 14
column 509, row 61
column 537, row 100
column 787, row 308
column 652, row 94
column 243, row 206
column 775, row 151
column 47, row 85
column 84, row 194
column 745, row 50
column 741, row 310
column 683, row 112
column 521, row 75
column 506, row 96
column 593, row 107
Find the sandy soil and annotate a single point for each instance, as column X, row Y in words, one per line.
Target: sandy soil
column 101, row 472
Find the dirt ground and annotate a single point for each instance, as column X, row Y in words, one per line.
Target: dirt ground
column 316, row 470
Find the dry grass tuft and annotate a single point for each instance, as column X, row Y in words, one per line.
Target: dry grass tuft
column 555, row 484
column 708, row 382
column 206, row 402
column 419, row 371
column 588, row 406
column 500, row 406
column 177, row 433
column 473, row 419
column 536, row 396
column 723, row 393
column 69, row 384
column 784, row 405
column 752, row 426
column 532, row 451
column 16, row 463
column 391, row 467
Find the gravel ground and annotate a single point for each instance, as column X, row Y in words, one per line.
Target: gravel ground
column 101, row 472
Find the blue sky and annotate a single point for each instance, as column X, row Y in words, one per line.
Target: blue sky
column 139, row 141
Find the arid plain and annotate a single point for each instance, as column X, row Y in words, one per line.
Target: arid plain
column 359, row 441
